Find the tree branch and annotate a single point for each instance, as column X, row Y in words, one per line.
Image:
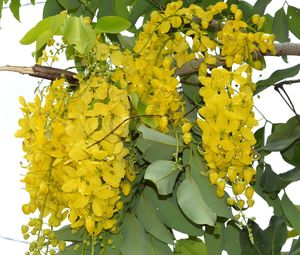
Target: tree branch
column 51, row 73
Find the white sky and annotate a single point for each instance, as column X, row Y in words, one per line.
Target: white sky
column 12, row 85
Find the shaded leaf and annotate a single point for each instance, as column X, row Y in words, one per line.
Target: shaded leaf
column 214, row 238
column 170, row 214
column 190, row 200
column 163, row 174
column 135, row 238
column 232, row 238
column 292, row 175
column 280, row 26
column 246, row 8
column 127, row 43
column 291, row 213
column 283, row 136
column 295, row 248
column 105, row 8
column 65, row 233
column 115, row 247
column 291, row 154
column 139, row 8
column 158, row 247
column 208, row 191
column 112, row 24
column 120, row 7
column 260, row 137
column 148, row 216
column 155, row 145
column 51, row 8
column 277, row 76
column 70, row 4
column 293, row 14
column 270, row 181
column 260, row 6
column 190, row 247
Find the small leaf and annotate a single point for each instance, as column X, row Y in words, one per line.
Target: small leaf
column 147, row 214
column 192, row 203
column 65, row 233
column 260, row 6
column 291, row 213
column 277, row 76
column 112, row 24
column 280, row 26
column 15, row 8
column 126, row 41
column 294, row 20
column 163, row 174
column 260, row 137
column 190, row 247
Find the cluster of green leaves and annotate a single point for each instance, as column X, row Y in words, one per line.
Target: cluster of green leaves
column 177, row 195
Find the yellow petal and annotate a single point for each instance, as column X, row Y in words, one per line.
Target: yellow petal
column 97, row 207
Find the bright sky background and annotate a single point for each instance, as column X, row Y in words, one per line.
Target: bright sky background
column 12, row 196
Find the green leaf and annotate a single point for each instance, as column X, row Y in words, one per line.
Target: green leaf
column 65, row 233
column 291, row 154
column 295, row 248
column 170, row 214
column 15, row 8
column 135, row 238
column 148, row 216
column 268, row 25
column 281, row 26
column 158, row 247
column 232, row 238
column 51, row 8
column 208, row 191
column 105, row 8
column 292, row 175
column 70, row 4
column 190, row 200
column 155, row 145
column 283, row 136
column 163, row 174
column 69, row 250
column 120, row 7
column 214, row 238
column 293, row 14
column 139, row 8
column 266, row 242
column 112, row 24
column 260, row 137
column 115, row 247
column 190, row 247
column 82, row 36
column 260, row 6
column 277, row 76
column 270, row 181
column 247, row 9
column 291, row 213
column 126, row 41
column 44, row 30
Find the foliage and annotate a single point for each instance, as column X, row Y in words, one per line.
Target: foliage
column 134, row 151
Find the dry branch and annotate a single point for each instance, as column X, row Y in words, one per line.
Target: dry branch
column 50, row 73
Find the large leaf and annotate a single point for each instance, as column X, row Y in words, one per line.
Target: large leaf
column 51, row 8
column 15, row 8
column 291, row 213
column 214, row 238
column 148, row 215
column 232, row 238
column 158, row 247
column 281, row 26
column 163, row 174
column 265, row 242
column 270, row 181
column 260, row 6
column 156, row 145
column 295, row 248
column 170, row 214
column 219, row 206
column 112, row 24
column 277, row 76
column 190, row 247
column 44, row 30
column 291, row 154
column 77, row 33
column 135, row 238
column 115, row 247
column 121, row 10
column 294, row 20
column 190, row 200
column 70, row 4
column 283, row 136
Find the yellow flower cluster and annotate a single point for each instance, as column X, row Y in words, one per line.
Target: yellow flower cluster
column 74, row 143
